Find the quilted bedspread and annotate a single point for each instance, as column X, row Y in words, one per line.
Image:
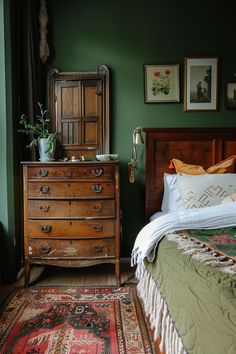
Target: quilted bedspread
column 201, row 299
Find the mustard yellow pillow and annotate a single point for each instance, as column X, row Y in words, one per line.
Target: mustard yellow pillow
column 225, row 166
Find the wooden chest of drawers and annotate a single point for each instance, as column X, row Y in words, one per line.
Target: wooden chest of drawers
column 71, row 214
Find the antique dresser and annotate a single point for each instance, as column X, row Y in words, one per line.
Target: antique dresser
column 72, row 209
column 71, row 214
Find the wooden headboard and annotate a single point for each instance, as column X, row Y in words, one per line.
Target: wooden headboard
column 200, row 146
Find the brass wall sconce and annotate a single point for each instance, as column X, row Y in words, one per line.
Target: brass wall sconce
column 132, row 165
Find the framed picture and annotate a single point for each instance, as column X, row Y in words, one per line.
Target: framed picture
column 231, row 95
column 201, row 83
column 161, row 83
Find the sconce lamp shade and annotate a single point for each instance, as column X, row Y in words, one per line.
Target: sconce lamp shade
column 137, row 136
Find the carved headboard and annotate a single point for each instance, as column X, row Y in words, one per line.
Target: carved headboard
column 204, row 146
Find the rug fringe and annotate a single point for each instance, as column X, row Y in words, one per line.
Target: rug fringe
column 157, row 311
column 199, row 251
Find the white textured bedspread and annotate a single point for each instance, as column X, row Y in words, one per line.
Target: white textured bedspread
column 222, row 215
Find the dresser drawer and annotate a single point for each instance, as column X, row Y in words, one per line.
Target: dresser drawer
column 80, row 249
column 71, row 228
column 73, row 189
column 96, row 171
column 71, row 208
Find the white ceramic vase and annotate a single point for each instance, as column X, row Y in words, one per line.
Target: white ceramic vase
column 43, row 146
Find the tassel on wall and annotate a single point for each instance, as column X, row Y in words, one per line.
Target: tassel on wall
column 43, row 21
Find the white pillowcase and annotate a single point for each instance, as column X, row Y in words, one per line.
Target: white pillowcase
column 172, row 200
column 199, row 191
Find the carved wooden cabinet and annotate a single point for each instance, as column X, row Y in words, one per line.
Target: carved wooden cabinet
column 79, row 110
column 71, row 214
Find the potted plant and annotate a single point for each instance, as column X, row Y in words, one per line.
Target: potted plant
column 41, row 137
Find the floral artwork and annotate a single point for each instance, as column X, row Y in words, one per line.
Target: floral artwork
column 161, row 83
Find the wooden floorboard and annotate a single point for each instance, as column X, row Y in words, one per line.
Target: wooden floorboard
column 99, row 275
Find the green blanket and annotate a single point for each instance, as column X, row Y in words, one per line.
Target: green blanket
column 201, row 300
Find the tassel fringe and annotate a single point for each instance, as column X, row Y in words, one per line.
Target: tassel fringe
column 157, row 311
column 200, row 252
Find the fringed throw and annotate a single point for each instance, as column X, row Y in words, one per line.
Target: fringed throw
column 203, row 252
column 157, row 311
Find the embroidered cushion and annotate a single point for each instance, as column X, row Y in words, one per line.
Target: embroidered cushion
column 205, row 190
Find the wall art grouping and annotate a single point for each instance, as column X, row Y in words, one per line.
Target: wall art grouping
column 201, row 81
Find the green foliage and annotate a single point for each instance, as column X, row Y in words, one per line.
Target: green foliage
column 38, row 130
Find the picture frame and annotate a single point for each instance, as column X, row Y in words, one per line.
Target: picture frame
column 201, row 83
column 161, row 83
column 231, row 95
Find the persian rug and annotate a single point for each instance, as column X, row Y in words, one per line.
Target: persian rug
column 76, row 320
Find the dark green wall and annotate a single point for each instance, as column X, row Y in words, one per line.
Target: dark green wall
column 127, row 34
column 124, row 35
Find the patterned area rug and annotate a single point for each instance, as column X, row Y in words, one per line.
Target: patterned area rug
column 76, row 320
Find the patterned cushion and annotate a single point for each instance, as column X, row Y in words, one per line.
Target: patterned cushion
column 205, row 190
column 225, row 166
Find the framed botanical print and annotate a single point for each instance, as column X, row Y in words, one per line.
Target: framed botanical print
column 161, row 83
column 201, row 83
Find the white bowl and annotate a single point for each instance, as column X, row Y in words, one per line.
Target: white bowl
column 107, row 157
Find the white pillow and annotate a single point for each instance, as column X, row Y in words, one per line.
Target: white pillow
column 172, row 200
column 199, row 191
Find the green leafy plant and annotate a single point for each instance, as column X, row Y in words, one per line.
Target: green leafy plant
column 39, row 129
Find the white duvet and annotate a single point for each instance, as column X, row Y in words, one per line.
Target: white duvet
column 213, row 217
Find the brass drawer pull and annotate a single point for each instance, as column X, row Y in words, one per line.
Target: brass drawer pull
column 97, row 207
column 97, row 188
column 46, row 228
column 45, row 249
column 97, row 228
column 44, row 207
column 69, row 174
column 98, row 248
column 97, row 172
column 44, row 189
column 42, row 173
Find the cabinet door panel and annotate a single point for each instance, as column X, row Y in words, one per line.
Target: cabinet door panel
column 79, row 116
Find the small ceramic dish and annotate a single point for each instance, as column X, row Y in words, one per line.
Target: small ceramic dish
column 107, row 157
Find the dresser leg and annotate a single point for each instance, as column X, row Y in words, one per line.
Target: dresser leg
column 27, row 273
column 118, row 276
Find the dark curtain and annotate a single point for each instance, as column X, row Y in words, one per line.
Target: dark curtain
column 31, row 69
column 29, row 86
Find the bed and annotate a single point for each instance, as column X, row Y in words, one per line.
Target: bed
column 187, row 277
